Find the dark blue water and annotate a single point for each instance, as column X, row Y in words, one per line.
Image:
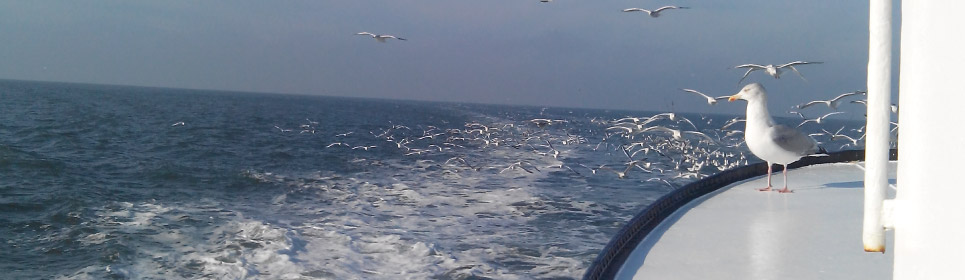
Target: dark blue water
column 128, row 182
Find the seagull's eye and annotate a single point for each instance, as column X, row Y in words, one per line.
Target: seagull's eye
column 746, row 89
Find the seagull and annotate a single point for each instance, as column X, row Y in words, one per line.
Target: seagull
column 710, row 100
column 380, row 37
column 178, row 124
column 676, row 133
column 774, row 71
column 838, row 136
column 769, row 141
column 832, row 103
column 817, row 120
column 894, row 108
column 654, row 13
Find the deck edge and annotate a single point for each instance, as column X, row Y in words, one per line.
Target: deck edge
column 608, row 263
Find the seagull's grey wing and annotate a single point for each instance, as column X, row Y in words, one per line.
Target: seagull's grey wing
column 697, row 92
column 830, row 114
column 845, row 95
column 798, row 63
column 635, row 10
column 747, row 73
column 682, row 119
column 664, row 8
column 805, row 105
column 365, row 33
column 798, row 73
column 750, row 65
column 793, row 140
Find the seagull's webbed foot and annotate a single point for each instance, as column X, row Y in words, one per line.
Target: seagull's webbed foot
column 785, row 190
column 767, row 189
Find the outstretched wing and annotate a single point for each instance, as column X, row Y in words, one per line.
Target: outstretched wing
column 636, row 10
column 749, row 70
column 798, row 63
column 805, row 105
column 667, row 8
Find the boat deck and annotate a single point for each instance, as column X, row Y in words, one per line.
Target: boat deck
column 738, row 232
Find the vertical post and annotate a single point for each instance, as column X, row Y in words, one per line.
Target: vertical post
column 878, row 132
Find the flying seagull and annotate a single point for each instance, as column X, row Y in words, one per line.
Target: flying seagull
column 710, row 100
column 654, row 13
column 768, row 140
column 774, row 71
column 832, row 103
column 380, row 37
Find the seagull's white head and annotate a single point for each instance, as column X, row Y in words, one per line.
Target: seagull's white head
column 750, row 92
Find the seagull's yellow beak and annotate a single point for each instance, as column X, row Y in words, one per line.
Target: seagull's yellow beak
column 734, row 97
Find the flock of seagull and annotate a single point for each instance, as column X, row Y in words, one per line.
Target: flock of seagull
column 679, row 138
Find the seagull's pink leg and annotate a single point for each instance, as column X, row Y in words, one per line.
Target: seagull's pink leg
column 785, row 190
column 768, row 188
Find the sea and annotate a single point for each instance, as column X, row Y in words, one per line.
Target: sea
column 120, row 182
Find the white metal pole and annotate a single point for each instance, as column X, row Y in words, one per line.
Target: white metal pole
column 879, row 114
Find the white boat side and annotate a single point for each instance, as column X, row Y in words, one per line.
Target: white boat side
column 738, row 232
column 929, row 210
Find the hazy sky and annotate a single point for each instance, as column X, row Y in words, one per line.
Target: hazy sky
column 570, row 53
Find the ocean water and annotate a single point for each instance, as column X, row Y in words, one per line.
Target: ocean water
column 151, row 183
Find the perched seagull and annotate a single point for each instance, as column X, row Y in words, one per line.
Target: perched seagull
column 832, row 103
column 710, row 100
column 772, row 142
column 774, row 71
column 817, row 120
column 654, row 13
column 380, row 37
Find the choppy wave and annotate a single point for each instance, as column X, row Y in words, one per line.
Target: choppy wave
column 118, row 182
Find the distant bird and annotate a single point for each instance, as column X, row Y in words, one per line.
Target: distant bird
column 817, row 120
column 772, row 142
column 774, row 71
column 541, row 123
column 732, row 122
column 838, row 136
column 832, row 103
column 676, row 133
column 336, row 144
column 654, row 13
column 380, row 37
column 178, row 124
column 894, row 108
column 710, row 100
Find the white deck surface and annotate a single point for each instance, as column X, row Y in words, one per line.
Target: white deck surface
column 741, row 233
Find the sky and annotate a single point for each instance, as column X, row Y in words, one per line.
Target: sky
column 565, row 53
